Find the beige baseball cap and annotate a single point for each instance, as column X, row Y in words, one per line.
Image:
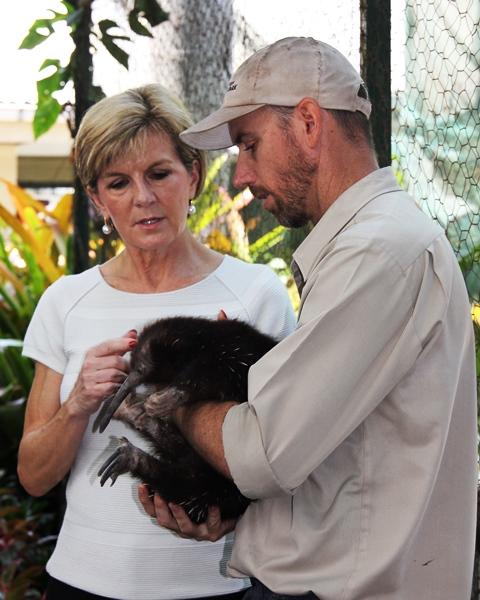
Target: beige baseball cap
column 281, row 75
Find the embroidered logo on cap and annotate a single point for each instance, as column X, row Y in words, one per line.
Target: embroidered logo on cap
column 232, row 86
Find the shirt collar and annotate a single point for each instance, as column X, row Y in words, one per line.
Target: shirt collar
column 341, row 212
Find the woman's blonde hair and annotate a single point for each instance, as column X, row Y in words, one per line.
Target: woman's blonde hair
column 117, row 126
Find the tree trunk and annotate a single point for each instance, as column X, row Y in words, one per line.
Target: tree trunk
column 192, row 52
column 375, row 30
column 82, row 65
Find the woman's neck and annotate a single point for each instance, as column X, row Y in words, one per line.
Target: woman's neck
column 162, row 270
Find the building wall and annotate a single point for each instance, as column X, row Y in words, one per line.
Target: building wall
column 28, row 162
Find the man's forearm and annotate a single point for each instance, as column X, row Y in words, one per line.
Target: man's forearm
column 202, row 427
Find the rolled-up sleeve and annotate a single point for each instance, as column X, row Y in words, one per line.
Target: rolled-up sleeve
column 357, row 338
column 258, row 480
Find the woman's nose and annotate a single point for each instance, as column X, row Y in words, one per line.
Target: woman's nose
column 143, row 194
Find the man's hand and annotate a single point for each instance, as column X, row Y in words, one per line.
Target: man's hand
column 173, row 517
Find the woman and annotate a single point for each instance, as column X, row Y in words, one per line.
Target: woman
column 142, row 179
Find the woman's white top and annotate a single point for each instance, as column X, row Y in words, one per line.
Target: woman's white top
column 108, row 545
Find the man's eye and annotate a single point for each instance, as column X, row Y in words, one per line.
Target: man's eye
column 248, row 147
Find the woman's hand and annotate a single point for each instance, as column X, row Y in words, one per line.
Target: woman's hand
column 173, row 517
column 53, row 432
column 104, row 369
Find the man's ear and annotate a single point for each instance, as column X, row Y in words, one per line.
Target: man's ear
column 309, row 121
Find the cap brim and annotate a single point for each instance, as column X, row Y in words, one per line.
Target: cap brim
column 212, row 133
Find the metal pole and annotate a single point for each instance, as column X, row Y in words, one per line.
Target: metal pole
column 375, row 30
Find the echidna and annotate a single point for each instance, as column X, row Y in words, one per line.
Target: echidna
column 179, row 361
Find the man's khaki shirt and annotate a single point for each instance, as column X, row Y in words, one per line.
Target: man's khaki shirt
column 359, row 437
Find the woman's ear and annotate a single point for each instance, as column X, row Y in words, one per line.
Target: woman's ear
column 194, row 179
column 94, row 197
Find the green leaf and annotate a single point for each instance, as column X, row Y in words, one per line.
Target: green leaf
column 70, row 8
column 22, row 582
column 21, row 366
column 215, row 168
column 151, row 11
column 7, row 326
column 108, row 41
column 6, row 373
column 54, row 82
column 96, row 94
column 135, row 24
column 9, row 300
column 267, row 241
column 107, row 24
column 48, row 108
column 34, row 37
column 50, row 62
column 45, row 116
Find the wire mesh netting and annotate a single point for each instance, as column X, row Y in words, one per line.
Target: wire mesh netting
column 437, row 122
column 435, row 88
column 193, row 53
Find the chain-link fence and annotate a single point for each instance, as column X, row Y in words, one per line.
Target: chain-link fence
column 193, row 53
column 436, row 128
column 435, row 95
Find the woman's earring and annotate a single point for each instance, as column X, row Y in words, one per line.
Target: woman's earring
column 106, row 227
column 192, row 209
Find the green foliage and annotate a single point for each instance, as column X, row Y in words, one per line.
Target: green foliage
column 469, row 262
column 16, row 304
column 266, row 242
column 16, row 375
column 35, row 36
column 149, row 10
column 32, row 244
column 220, row 223
column 48, row 108
column 476, row 326
column 27, row 537
column 144, row 15
column 109, row 41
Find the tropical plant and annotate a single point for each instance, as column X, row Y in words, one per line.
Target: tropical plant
column 79, row 70
column 27, row 536
column 34, row 246
column 16, row 375
column 33, row 251
column 78, row 18
column 476, row 327
column 219, row 222
column 469, row 261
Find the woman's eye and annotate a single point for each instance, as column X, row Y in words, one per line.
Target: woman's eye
column 117, row 184
column 160, row 174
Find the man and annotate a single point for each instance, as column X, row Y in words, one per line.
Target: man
column 359, row 438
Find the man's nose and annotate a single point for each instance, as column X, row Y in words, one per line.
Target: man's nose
column 243, row 175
